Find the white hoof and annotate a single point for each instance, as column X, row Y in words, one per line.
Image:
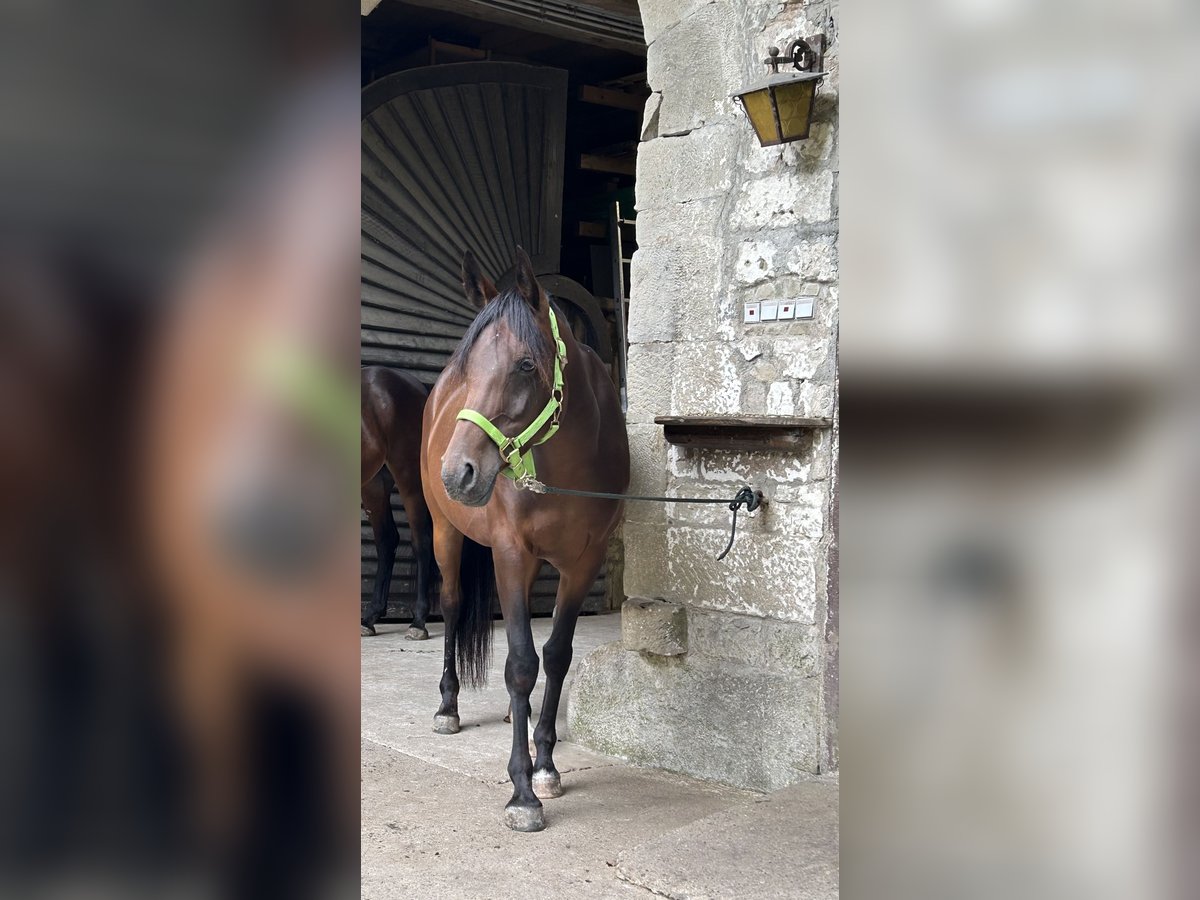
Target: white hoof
column 524, row 818
column 416, row 634
column 446, row 724
column 547, row 785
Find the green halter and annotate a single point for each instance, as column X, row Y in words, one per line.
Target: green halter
column 518, row 451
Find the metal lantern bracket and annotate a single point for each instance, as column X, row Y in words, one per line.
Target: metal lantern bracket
column 805, row 54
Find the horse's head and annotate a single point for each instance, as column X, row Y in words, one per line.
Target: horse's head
column 505, row 360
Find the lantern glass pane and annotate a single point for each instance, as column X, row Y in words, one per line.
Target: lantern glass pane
column 762, row 117
column 795, row 108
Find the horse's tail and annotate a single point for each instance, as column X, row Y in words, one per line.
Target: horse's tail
column 473, row 631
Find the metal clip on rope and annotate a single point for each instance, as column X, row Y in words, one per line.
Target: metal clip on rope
column 752, row 500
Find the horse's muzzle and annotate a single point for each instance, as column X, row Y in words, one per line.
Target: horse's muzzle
column 465, row 483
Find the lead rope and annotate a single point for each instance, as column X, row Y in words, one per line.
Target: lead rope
column 747, row 497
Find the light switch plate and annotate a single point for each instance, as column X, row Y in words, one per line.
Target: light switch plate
column 769, row 311
column 804, row 309
column 751, row 312
column 787, row 309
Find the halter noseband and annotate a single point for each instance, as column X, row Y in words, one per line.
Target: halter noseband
column 518, row 451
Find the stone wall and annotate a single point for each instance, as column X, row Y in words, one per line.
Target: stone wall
column 721, row 221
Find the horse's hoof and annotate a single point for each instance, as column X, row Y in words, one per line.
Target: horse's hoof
column 508, row 718
column 524, row 818
column 547, row 785
column 416, row 634
column 446, row 724
column 367, row 630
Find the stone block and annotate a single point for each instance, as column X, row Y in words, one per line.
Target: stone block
column 761, row 576
column 708, row 718
column 645, row 552
column 654, row 626
column 648, row 382
column 756, row 642
column 698, row 65
column 699, row 165
column 647, row 460
column 708, row 379
column 784, row 200
column 660, row 15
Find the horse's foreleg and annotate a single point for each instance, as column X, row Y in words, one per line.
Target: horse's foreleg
column 448, row 545
column 556, row 657
column 514, row 578
column 376, row 499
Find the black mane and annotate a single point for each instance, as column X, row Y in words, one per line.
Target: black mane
column 520, row 319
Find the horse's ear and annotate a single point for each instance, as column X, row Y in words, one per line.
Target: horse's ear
column 527, row 284
column 478, row 287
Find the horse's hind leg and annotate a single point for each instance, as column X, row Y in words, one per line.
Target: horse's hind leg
column 376, row 499
column 420, row 526
column 573, row 586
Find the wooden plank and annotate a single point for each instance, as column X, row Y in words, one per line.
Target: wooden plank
column 594, row 24
column 740, row 432
column 615, row 99
column 610, row 164
column 745, row 421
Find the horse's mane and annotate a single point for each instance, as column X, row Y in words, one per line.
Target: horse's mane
column 520, row 319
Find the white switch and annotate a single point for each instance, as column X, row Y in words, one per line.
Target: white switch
column 770, row 310
column 751, row 312
column 804, row 309
column 787, row 309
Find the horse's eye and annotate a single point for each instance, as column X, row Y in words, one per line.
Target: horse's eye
column 526, row 365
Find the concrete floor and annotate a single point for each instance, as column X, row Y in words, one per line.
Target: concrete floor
column 431, row 804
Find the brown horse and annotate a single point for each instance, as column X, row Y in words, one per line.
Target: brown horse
column 392, row 405
column 505, row 373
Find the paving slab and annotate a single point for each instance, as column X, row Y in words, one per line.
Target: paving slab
column 782, row 845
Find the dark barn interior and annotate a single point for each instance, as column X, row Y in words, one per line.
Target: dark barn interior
column 485, row 126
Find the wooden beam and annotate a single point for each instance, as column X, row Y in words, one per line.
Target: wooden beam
column 595, row 24
column 615, row 99
column 611, row 164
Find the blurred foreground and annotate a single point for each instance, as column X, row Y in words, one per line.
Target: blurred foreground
column 178, row 346
column 1017, row 191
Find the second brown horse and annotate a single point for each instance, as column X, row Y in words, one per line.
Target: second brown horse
column 392, row 405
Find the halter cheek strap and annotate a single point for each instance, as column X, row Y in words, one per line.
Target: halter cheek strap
column 518, row 451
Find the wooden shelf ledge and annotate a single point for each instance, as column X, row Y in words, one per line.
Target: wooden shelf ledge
column 740, row 432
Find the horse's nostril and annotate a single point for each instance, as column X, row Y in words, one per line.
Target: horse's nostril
column 468, row 475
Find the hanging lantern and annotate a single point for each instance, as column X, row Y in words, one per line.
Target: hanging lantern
column 781, row 107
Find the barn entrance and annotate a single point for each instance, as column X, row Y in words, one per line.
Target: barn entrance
column 486, row 126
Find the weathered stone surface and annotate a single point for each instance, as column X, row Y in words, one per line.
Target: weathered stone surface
column 707, row 381
column 685, row 168
column 782, row 201
column 816, row 260
column 754, row 641
column 654, row 626
column 645, row 551
column 649, row 382
column 650, row 117
column 698, row 67
column 659, row 15
column 715, row 719
column 761, row 576
column 647, row 460
column 786, row 847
